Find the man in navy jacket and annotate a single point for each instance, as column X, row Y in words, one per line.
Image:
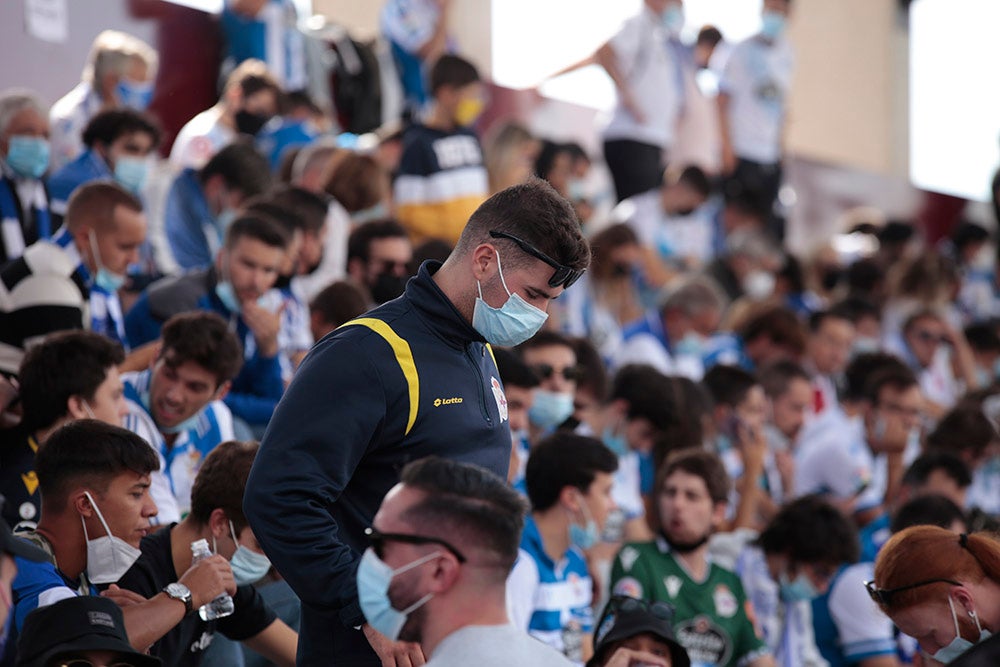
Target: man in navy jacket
column 411, row 378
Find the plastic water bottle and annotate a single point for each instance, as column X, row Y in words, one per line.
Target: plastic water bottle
column 222, row 605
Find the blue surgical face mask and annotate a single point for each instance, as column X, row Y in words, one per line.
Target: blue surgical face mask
column 584, row 536
column 673, row 19
column 248, row 566
column 187, row 425
column 615, row 441
column 576, row 189
column 549, row 409
column 772, row 24
column 106, row 279
column 799, row 590
column 374, row 578
column 28, row 156
column 376, row 212
column 227, row 295
column 959, row 645
column 512, row 323
column 226, row 218
column 134, row 94
column 131, row 172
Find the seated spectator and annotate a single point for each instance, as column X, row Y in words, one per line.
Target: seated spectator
column 712, row 619
column 10, row 549
column 867, row 319
column 693, row 424
column 78, row 631
column 631, row 631
column 592, row 384
column 95, row 481
column 24, row 159
column 202, row 204
column 984, row 342
column 118, row 144
column 217, row 516
column 70, row 375
column 360, row 184
column 519, row 383
column 672, row 338
column 509, row 153
column 250, row 98
column 806, row 594
column 57, row 283
column 933, row 350
column 553, row 359
column 378, row 258
column 301, row 122
column 176, row 405
column 768, row 334
column 554, row 164
column 441, row 178
column 336, row 304
column 746, row 267
column 549, row 594
column 828, row 349
column 239, row 289
column 972, row 436
column 120, row 72
column 788, row 389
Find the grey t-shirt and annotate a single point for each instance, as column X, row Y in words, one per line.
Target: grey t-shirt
column 494, row 646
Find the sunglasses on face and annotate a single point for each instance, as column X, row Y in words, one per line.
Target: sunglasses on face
column 563, row 276
column 545, row 371
column 884, row 596
column 378, row 540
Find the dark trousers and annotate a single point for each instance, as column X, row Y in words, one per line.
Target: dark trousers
column 757, row 184
column 635, row 167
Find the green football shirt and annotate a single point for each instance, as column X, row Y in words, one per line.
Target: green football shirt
column 713, row 617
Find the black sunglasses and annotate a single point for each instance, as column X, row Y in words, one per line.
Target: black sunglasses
column 562, row 276
column 545, row 371
column 624, row 603
column 379, row 539
column 883, row 596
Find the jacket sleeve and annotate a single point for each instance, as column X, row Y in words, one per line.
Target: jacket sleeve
column 184, row 232
column 330, row 415
column 140, row 325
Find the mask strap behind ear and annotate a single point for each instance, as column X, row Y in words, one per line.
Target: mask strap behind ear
column 232, row 531
column 100, row 516
column 954, row 616
column 500, row 269
column 90, row 413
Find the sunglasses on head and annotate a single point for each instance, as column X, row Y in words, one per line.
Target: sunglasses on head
column 378, row 540
column 563, row 276
column 624, row 603
column 545, row 371
column 884, row 596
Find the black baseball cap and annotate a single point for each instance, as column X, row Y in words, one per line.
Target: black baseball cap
column 15, row 546
column 624, row 617
column 75, row 625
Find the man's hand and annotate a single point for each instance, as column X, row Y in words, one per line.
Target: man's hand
column 393, row 654
column 626, row 657
column 122, row 597
column 265, row 326
column 208, row 579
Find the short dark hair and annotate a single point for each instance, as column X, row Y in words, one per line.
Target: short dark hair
column 259, row 228
column 709, row 35
column 467, row 502
column 547, row 155
column 690, row 402
column 963, row 428
column 860, row 369
column 695, row 178
column 205, row 339
column 339, row 302
column 452, row 71
column 593, row 376
column 94, row 203
column 777, row 377
column 864, row 276
column 359, row 243
column 356, row 181
column 221, row 482
column 729, row 385
column 107, row 126
column 535, row 213
column 858, row 308
column 780, row 324
column 834, row 312
column 927, row 510
column 938, row 459
column 241, row 167
column 983, row 337
column 700, row 463
column 546, row 338
column 565, row 459
column 90, row 453
column 647, row 393
column 66, row 364
column 513, row 371
column 898, row 379
column 811, row 530
column 310, row 207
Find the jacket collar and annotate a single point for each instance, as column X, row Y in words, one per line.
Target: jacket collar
column 437, row 309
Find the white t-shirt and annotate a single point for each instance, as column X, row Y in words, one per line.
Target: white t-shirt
column 651, row 66
column 494, row 646
column 201, row 138
column 862, row 628
column 67, row 120
column 833, row 458
column 757, row 78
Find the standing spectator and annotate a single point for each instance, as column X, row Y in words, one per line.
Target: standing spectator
column 569, row 479
column 417, row 31
column 24, row 149
column 202, row 203
column 265, row 30
column 119, row 73
column 51, row 397
column 72, row 281
column 644, row 61
column 465, row 521
column 378, row 257
column 441, row 177
column 250, row 98
column 753, row 99
column 11, row 548
column 403, row 388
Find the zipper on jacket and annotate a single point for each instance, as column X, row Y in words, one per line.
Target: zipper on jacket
column 482, row 389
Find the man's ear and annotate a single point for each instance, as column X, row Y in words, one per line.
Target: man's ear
column 81, row 504
column 569, row 497
column 719, row 515
column 218, row 523
column 482, row 261
column 75, row 407
column 223, row 390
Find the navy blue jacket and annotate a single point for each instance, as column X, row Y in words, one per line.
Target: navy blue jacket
column 357, row 410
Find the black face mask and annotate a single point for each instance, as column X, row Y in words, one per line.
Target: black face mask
column 250, row 123
column 830, row 278
column 387, row 287
column 283, row 282
column 683, row 212
column 621, row 270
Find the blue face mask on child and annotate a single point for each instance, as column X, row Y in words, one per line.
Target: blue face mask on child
column 801, row 589
column 586, row 535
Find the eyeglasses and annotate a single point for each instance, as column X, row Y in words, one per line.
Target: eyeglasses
column 545, row 371
column 562, row 276
column 883, row 596
column 378, row 540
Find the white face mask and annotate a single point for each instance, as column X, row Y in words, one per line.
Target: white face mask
column 108, row 557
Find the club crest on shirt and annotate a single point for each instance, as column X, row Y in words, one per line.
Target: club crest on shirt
column 673, row 585
column 500, row 398
column 725, row 601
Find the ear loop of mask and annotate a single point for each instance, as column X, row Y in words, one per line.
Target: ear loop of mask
column 954, row 617
column 100, row 517
column 90, row 412
column 409, row 566
column 502, row 281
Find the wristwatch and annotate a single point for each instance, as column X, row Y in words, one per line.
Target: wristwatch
column 180, row 592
